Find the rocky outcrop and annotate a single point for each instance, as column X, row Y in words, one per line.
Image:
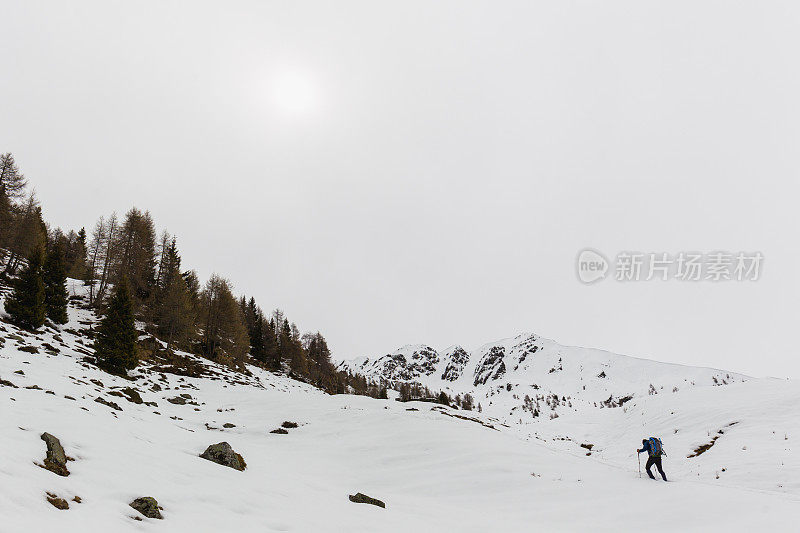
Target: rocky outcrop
column 56, row 459
column 456, row 361
column 363, row 498
column 491, row 366
column 222, row 454
column 148, row 506
column 406, row 364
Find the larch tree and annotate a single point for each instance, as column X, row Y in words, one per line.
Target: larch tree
column 11, row 179
column 27, row 232
column 12, row 186
column 320, row 369
column 107, row 246
column 225, row 335
column 136, row 261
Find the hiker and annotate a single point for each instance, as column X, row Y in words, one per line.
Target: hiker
column 654, row 451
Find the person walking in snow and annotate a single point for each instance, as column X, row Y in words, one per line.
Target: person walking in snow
column 654, row 452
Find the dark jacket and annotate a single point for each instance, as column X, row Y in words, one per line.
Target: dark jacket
column 645, row 447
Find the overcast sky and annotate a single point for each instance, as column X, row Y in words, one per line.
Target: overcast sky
column 427, row 172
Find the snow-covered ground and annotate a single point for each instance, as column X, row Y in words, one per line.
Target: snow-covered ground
column 436, row 472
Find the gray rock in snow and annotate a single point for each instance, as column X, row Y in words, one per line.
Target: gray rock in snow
column 56, row 460
column 223, row 454
column 148, row 506
column 363, row 498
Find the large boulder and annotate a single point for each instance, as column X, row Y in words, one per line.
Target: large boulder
column 363, row 498
column 223, row 454
column 147, row 506
column 56, row 460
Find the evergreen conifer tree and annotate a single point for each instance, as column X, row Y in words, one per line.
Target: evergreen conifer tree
column 115, row 347
column 26, row 304
column 55, row 291
column 272, row 354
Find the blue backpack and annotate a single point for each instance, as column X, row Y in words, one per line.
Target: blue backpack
column 656, row 448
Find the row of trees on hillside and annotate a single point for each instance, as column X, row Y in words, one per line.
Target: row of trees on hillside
column 131, row 274
column 416, row 391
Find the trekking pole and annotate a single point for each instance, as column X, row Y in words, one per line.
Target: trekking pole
column 639, row 457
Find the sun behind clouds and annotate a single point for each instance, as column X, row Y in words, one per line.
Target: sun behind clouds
column 294, row 92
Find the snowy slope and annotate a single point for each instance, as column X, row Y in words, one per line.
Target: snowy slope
column 436, row 472
column 754, row 427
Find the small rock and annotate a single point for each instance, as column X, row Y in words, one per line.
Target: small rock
column 223, row 454
column 228, row 425
column 363, row 498
column 279, row 431
column 77, row 499
column 147, row 506
column 177, row 400
column 50, row 348
column 28, row 349
column 133, row 395
column 130, row 394
column 20, row 372
column 58, row 503
column 289, row 425
column 112, row 405
column 7, row 384
column 56, row 460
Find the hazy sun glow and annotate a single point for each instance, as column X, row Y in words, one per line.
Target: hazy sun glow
column 293, row 92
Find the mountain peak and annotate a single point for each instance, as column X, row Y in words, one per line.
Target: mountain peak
column 515, row 377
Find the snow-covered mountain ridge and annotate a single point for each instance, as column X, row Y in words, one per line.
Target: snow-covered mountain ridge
column 522, row 378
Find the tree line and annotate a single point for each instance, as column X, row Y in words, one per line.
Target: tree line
column 133, row 274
